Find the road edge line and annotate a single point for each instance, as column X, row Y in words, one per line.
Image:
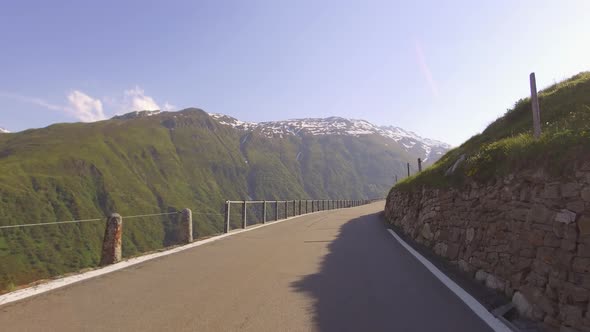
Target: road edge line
column 44, row 287
column 469, row 300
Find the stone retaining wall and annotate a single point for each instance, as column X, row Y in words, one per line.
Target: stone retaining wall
column 527, row 235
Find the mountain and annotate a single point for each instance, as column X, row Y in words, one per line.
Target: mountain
column 428, row 150
column 151, row 162
column 3, row 131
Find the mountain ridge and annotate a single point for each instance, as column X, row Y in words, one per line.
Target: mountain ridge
column 430, row 149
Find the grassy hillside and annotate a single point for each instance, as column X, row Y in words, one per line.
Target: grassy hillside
column 156, row 164
column 507, row 145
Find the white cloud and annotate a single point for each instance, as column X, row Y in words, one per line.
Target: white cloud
column 169, row 107
column 87, row 109
column 84, row 107
column 136, row 100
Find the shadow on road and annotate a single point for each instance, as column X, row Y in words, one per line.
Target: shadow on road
column 368, row 282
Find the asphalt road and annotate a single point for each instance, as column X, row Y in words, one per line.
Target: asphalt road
column 330, row 271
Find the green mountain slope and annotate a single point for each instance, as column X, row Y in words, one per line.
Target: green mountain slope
column 161, row 163
column 507, row 145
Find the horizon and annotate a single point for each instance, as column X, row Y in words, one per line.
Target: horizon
column 380, row 126
column 409, row 65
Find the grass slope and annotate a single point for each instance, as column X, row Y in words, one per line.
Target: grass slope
column 507, row 145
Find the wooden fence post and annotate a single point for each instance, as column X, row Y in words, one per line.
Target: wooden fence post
column 186, row 226
column 111, row 245
column 294, row 209
column 408, row 169
column 264, row 212
column 276, row 210
column 419, row 165
column 536, row 110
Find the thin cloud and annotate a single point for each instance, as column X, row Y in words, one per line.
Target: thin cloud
column 425, row 69
column 32, row 100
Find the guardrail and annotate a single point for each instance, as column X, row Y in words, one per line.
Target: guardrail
column 250, row 213
column 290, row 208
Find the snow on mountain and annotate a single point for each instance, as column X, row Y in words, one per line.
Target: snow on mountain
column 3, row 131
column 428, row 148
column 136, row 114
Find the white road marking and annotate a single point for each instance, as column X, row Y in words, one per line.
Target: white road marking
column 471, row 302
column 61, row 282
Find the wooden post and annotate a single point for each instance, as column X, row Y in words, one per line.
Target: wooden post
column 408, row 169
column 264, row 212
column 300, row 206
column 111, row 245
column 276, row 210
column 294, row 209
column 419, row 165
column 244, row 221
column 536, row 110
column 186, row 226
column 227, row 207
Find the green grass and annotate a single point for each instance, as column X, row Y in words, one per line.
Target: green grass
column 507, row 145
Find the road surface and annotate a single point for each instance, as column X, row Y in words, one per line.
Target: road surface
column 330, row 271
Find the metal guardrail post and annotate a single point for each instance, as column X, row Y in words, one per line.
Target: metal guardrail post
column 276, row 210
column 264, row 212
column 111, row 245
column 286, row 209
column 186, row 226
column 227, row 210
column 244, row 221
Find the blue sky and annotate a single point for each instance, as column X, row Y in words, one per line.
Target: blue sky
column 444, row 69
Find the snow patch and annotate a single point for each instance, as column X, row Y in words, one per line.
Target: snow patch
column 426, row 147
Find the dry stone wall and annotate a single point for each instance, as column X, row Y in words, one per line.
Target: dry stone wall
column 527, row 235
